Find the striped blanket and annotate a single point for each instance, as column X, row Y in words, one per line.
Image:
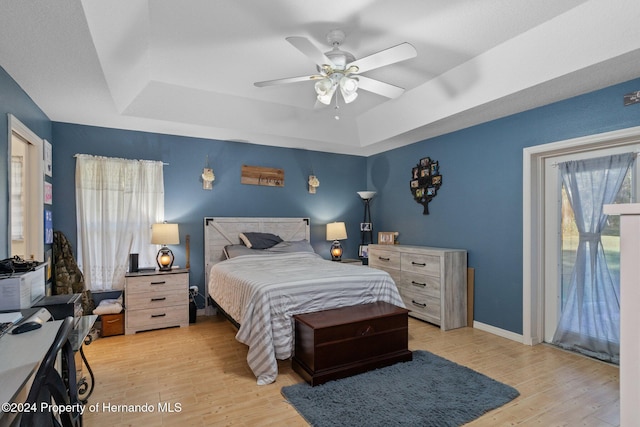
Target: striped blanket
column 263, row 292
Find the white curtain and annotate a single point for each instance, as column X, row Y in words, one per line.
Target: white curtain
column 590, row 319
column 117, row 200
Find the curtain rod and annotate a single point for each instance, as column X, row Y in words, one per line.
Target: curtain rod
column 77, row 154
column 555, row 165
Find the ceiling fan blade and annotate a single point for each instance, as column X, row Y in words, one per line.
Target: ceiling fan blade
column 288, row 80
column 381, row 88
column 305, row 46
column 389, row 56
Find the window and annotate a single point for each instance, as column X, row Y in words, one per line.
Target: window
column 26, row 213
column 117, row 202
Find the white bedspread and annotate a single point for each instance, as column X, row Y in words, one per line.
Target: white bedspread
column 263, row 292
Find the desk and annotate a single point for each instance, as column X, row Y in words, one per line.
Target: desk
column 20, row 356
column 78, row 338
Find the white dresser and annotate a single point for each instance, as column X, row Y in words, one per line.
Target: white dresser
column 431, row 281
column 156, row 300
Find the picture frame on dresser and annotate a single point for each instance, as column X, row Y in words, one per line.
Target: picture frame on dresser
column 386, row 237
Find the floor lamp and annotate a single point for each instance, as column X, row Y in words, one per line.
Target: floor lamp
column 366, row 227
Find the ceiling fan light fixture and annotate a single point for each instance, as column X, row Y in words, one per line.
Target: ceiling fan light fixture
column 349, row 89
column 340, row 68
column 325, row 89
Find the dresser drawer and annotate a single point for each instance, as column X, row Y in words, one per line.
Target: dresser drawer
column 159, row 298
column 418, row 283
column 157, row 283
column 423, row 307
column 420, row 263
column 384, row 260
column 154, row 318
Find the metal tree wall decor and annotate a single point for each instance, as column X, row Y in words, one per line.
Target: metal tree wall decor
column 425, row 182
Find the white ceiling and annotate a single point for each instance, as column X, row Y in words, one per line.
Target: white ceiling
column 188, row 67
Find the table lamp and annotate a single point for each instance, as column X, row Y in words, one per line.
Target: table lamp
column 336, row 231
column 165, row 234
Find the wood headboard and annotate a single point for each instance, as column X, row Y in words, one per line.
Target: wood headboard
column 222, row 231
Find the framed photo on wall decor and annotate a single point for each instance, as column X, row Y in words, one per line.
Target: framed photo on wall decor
column 363, row 251
column 386, row 237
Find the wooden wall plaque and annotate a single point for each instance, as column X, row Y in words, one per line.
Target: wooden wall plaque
column 256, row 175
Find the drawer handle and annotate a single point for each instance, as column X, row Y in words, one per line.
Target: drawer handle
column 158, row 283
column 113, row 321
column 418, row 304
column 158, row 299
column 384, row 259
column 413, row 282
column 420, row 264
column 158, row 315
column 366, row 331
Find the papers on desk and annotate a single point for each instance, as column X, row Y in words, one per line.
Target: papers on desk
column 12, row 317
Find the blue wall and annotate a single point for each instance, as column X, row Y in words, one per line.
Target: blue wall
column 13, row 100
column 479, row 206
column 186, row 203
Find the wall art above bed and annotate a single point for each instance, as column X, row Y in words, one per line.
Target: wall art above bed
column 425, row 182
column 257, row 175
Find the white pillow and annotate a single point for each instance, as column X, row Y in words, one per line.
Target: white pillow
column 108, row 306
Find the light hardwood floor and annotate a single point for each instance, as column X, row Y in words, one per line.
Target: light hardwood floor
column 201, row 372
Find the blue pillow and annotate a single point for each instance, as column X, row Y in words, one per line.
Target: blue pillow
column 259, row 240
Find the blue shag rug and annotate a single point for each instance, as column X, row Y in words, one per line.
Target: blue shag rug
column 427, row 391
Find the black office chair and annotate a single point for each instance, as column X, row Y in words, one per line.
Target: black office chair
column 51, row 386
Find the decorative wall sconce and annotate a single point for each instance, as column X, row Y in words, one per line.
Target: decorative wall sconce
column 314, row 183
column 207, row 178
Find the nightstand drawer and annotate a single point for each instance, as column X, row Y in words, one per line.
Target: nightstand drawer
column 154, row 318
column 157, row 283
column 161, row 298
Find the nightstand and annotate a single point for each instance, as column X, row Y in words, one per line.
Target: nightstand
column 351, row 261
column 156, row 299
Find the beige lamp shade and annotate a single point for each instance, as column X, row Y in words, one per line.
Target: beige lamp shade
column 336, row 231
column 165, row 234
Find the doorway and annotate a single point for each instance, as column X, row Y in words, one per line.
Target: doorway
column 584, row 297
column 538, row 218
column 26, row 184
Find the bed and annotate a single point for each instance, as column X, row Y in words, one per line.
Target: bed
column 261, row 289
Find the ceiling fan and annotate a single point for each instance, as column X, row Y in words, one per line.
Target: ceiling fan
column 338, row 69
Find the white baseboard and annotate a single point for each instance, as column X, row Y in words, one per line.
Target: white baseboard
column 497, row 331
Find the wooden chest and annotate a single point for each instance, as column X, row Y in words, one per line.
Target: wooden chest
column 345, row 341
column 112, row 324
